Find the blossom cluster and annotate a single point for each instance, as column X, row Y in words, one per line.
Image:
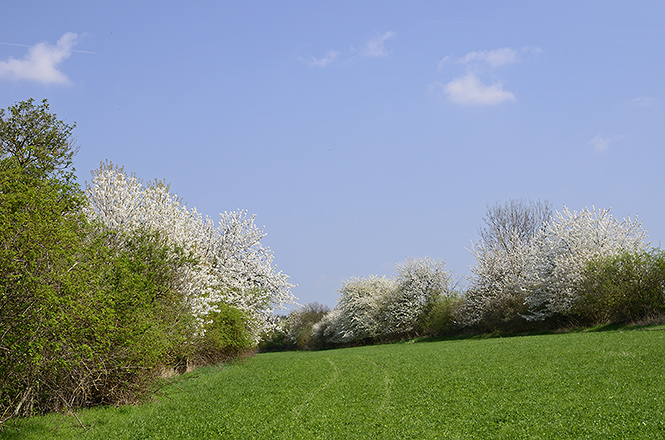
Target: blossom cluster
column 381, row 307
column 232, row 266
column 538, row 276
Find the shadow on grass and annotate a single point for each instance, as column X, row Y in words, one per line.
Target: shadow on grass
column 647, row 324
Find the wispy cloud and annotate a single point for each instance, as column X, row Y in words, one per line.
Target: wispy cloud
column 493, row 58
column 443, row 61
column 468, row 90
column 601, row 144
column 375, row 47
column 41, row 63
column 324, row 61
column 643, row 101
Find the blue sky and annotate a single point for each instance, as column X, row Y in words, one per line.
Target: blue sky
column 359, row 133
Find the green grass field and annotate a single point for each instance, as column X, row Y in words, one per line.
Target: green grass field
column 593, row 385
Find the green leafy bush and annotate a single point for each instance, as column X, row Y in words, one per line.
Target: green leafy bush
column 442, row 316
column 623, row 288
column 139, row 319
column 226, row 335
column 87, row 316
column 40, row 242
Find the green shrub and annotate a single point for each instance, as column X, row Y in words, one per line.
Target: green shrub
column 226, row 335
column 39, row 245
column 138, row 318
column 442, row 316
column 86, row 318
column 622, row 288
column 87, row 315
column 299, row 324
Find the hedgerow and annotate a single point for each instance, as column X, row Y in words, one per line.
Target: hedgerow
column 622, row 288
column 100, row 294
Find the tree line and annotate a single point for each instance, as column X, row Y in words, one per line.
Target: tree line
column 536, row 269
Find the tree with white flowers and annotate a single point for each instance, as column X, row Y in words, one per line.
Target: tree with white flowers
column 232, row 266
column 420, row 282
column 385, row 308
column 495, row 298
column 359, row 306
column 562, row 250
column 529, row 267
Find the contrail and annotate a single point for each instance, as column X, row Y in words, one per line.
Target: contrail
column 27, row 45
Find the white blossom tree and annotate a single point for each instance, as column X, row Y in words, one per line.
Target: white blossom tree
column 326, row 330
column 381, row 307
column 533, row 272
column 563, row 248
column 359, row 307
column 499, row 282
column 232, row 265
column 420, row 282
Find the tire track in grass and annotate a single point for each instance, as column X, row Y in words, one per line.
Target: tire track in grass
column 297, row 410
column 387, row 382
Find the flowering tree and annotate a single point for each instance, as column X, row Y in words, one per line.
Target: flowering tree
column 359, row 307
column 326, row 331
column 232, row 266
column 531, row 272
column 562, row 250
column 499, row 282
column 420, row 282
column 498, row 287
column 381, row 307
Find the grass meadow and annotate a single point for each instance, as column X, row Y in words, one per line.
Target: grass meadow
column 585, row 385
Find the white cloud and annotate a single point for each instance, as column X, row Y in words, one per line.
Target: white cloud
column 498, row 57
column 493, row 58
column 442, row 63
column 41, row 62
column 328, row 59
column 376, row 46
column 468, row 90
column 533, row 50
column 643, row 101
column 600, row 143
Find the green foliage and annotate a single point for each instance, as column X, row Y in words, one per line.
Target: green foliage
column 301, row 321
column 87, row 316
column 442, row 316
column 138, row 320
column 36, row 141
column 40, row 243
column 226, row 335
column 623, row 288
column 565, row 386
column 85, row 322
